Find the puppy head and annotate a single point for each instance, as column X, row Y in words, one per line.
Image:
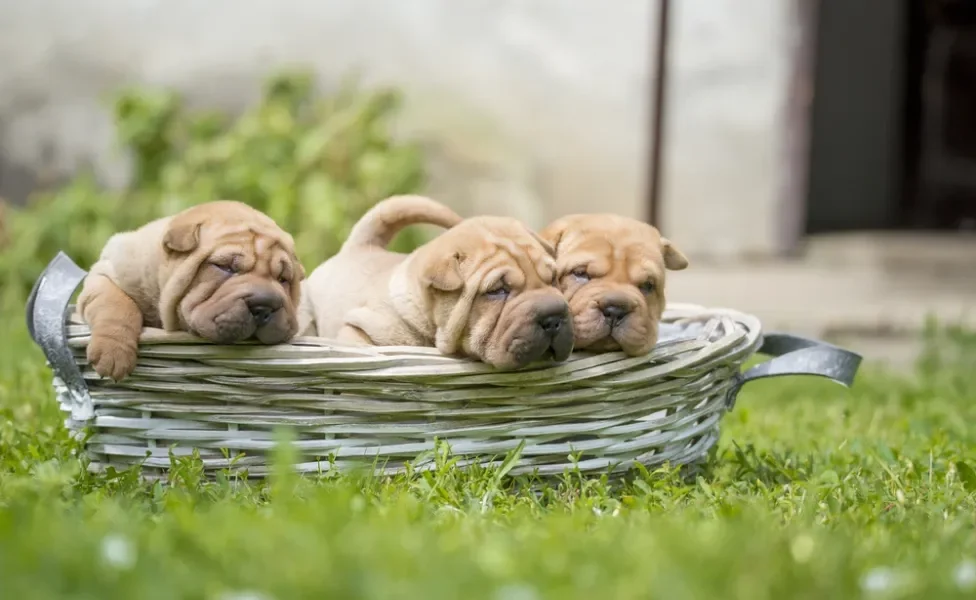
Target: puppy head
column 611, row 270
column 488, row 291
column 230, row 273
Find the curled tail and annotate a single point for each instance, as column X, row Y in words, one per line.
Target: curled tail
column 382, row 222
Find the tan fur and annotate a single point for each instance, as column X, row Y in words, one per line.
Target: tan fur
column 448, row 294
column 380, row 224
column 604, row 260
column 166, row 274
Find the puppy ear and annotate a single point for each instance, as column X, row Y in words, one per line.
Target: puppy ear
column 549, row 248
column 553, row 233
column 445, row 274
column 183, row 235
column 674, row 259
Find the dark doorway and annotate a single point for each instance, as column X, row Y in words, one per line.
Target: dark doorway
column 940, row 116
column 893, row 124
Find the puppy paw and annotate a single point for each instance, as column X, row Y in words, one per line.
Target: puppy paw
column 112, row 358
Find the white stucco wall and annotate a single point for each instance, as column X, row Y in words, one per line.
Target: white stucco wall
column 533, row 108
column 724, row 135
column 530, row 108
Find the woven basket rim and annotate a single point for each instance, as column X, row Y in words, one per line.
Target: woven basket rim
column 78, row 333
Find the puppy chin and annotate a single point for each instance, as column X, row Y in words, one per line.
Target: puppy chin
column 281, row 329
column 225, row 324
column 529, row 348
column 594, row 334
column 605, row 344
column 519, row 356
column 635, row 339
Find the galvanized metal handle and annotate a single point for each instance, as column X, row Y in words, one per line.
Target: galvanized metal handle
column 795, row 355
column 47, row 308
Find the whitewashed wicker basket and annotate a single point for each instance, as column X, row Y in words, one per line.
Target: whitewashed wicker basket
column 381, row 408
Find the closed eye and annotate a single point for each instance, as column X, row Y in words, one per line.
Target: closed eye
column 225, row 268
column 580, row 274
column 499, row 290
column 646, row 288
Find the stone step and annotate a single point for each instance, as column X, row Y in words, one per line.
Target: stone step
column 942, row 252
column 885, row 310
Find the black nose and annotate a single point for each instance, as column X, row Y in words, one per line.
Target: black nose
column 263, row 307
column 615, row 311
column 551, row 324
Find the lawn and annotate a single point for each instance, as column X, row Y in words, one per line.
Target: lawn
column 815, row 492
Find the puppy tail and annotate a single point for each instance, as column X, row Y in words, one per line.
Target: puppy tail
column 382, row 222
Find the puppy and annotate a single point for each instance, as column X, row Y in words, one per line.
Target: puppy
column 611, row 270
column 221, row 270
column 482, row 289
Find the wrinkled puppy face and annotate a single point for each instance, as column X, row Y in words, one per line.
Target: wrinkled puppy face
column 611, row 270
column 490, row 294
column 231, row 275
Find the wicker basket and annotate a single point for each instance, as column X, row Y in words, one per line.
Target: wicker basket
column 381, row 408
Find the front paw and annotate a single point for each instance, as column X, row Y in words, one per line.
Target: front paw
column 112, row 358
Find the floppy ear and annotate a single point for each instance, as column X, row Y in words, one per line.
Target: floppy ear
column 674, row 259
column 444, row 274
column 183, row 235
column 553, row 233
column 549, row 248
column 287, row 243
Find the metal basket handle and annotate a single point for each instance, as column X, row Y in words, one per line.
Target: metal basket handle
column 795, row 355
column 47, row 308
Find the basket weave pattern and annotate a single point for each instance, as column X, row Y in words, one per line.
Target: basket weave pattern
column 381, row 407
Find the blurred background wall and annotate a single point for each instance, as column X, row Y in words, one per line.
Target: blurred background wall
column 782, row 118
column 529, row 108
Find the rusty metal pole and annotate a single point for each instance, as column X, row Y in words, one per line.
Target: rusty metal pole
column 657, row 117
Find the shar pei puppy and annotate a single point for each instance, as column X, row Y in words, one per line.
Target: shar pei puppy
column 220, row 270
column 612, row 272
column 482, row 289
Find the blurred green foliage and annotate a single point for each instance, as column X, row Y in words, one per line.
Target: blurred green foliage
column 313, row 163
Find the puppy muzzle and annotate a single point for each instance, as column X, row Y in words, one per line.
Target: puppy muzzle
column 616, row 308
column 261, row 315
column 551, row 336
column 613, row 321
column 558, row 328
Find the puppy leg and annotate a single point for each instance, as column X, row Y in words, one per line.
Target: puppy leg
column 115, row 321
column 353, row 335
column 306, row 317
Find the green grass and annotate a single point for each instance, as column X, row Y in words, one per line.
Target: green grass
column 815, row 492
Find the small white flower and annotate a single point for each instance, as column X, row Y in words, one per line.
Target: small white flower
column 965, row 575
column 802, row 548
column 878, row 580
column 118, row 552
column 243, row 595
column 519, row 591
